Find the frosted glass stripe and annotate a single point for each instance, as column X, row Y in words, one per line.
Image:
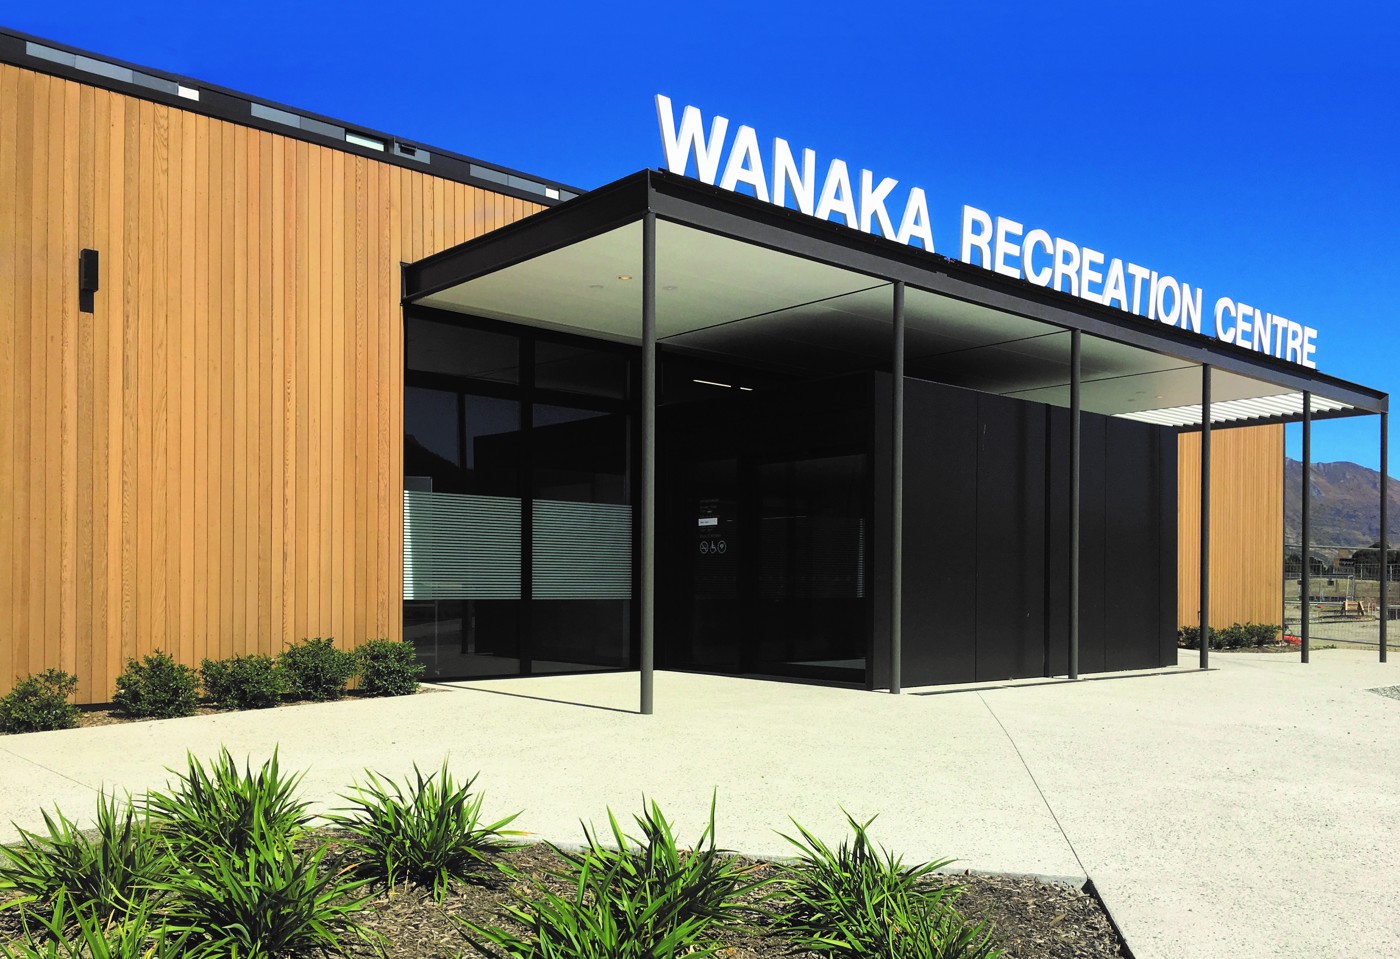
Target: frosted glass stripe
column 582, row 550
column 458, row 546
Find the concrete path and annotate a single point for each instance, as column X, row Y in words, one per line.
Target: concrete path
column 1247, row 811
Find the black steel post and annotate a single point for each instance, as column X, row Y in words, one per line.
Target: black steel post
column 1204, row 571
column 897, row 497
column 647, row 603
column 1385, row 537
column 1074, row 446
column 1303, row 605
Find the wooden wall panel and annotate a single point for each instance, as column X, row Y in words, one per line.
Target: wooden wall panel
column 212, row 461
column 1246, row 526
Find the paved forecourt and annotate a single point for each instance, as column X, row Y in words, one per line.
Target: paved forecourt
column 1235, row 812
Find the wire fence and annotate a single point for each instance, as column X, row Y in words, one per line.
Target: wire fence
column 1344, row 596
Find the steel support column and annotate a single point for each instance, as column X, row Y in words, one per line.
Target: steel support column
column 897, row 494
column 647, row 601
column 1074, row 447
column 1306, row 592
column 1385, row 536
column 1204, row 571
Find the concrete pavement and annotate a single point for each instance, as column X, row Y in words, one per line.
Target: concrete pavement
column 1246, row 811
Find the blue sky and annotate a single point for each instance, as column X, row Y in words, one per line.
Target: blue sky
column 1249, row 148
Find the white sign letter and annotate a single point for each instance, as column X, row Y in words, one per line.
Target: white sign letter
column 836, row 194
column 745, row 165
column 804, row 184
column 1007, row 232
column 982, row 239
column 872, row 203
column 690, row 139
column 1041, row 239
column 915, row 222
column 1066, row 265
column 1222, row 306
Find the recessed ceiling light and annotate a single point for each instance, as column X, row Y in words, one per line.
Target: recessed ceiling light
column 747, row 389
column 711, row 383
column 624, row 276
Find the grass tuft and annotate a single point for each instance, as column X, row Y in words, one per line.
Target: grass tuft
column 106, row 870
column 228, row 807
column 427, row 831
column 641, row 898
column 859, row 900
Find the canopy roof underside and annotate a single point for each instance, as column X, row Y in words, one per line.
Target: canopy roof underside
column 743, row 281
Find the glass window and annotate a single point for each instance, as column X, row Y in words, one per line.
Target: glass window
column 580, row 370
column 492, row 441
column 581, row 541
column 462, row 531
column 434, row 347
column 432, row 437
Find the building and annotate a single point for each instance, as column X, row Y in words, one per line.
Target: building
column 242, row 419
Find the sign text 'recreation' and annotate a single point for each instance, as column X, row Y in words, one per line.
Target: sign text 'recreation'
column 789, row 179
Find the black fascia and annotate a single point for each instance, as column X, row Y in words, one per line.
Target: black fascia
column 688, row 202
column 608, row 207
column 222, row 103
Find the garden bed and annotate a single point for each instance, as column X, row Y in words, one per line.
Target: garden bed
column 1031, row 919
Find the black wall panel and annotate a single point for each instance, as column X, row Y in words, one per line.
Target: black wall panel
column 1131, row 551
column 1010, row 539
column 986, row 539
column 941, row 516
column 1057, row 540
column 1166, row 548
column 1093, row 529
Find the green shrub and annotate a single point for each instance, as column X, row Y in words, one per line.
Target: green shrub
column 1234, row 636
column 242, row 682
column 223, row 806
column 860, row 900
column 86, row 933
column 428, row 831
column 157, row 687
column 315, row 669
column 644, row 899
column 104, row 869
column 267, row 898
column 1263, row 634
column 388, row 668
column 40, row 702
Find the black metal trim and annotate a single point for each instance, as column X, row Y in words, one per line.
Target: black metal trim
column 222, row 103
column 685, row 201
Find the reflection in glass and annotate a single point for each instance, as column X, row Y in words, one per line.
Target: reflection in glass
column 582, row 540
column 462, row 531
column 811, row 569
column 434, row 347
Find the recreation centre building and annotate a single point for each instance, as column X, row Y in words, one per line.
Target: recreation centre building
column 266, row 374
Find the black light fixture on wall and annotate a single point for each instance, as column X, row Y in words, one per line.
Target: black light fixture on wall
column 87, row 279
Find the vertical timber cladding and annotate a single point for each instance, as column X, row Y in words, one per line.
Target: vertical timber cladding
column 211, row 462
column 1246, row 525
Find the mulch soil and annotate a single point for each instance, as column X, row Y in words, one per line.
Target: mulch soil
column 1030, row 919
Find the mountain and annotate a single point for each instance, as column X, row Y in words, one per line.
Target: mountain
column 1346, row 507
